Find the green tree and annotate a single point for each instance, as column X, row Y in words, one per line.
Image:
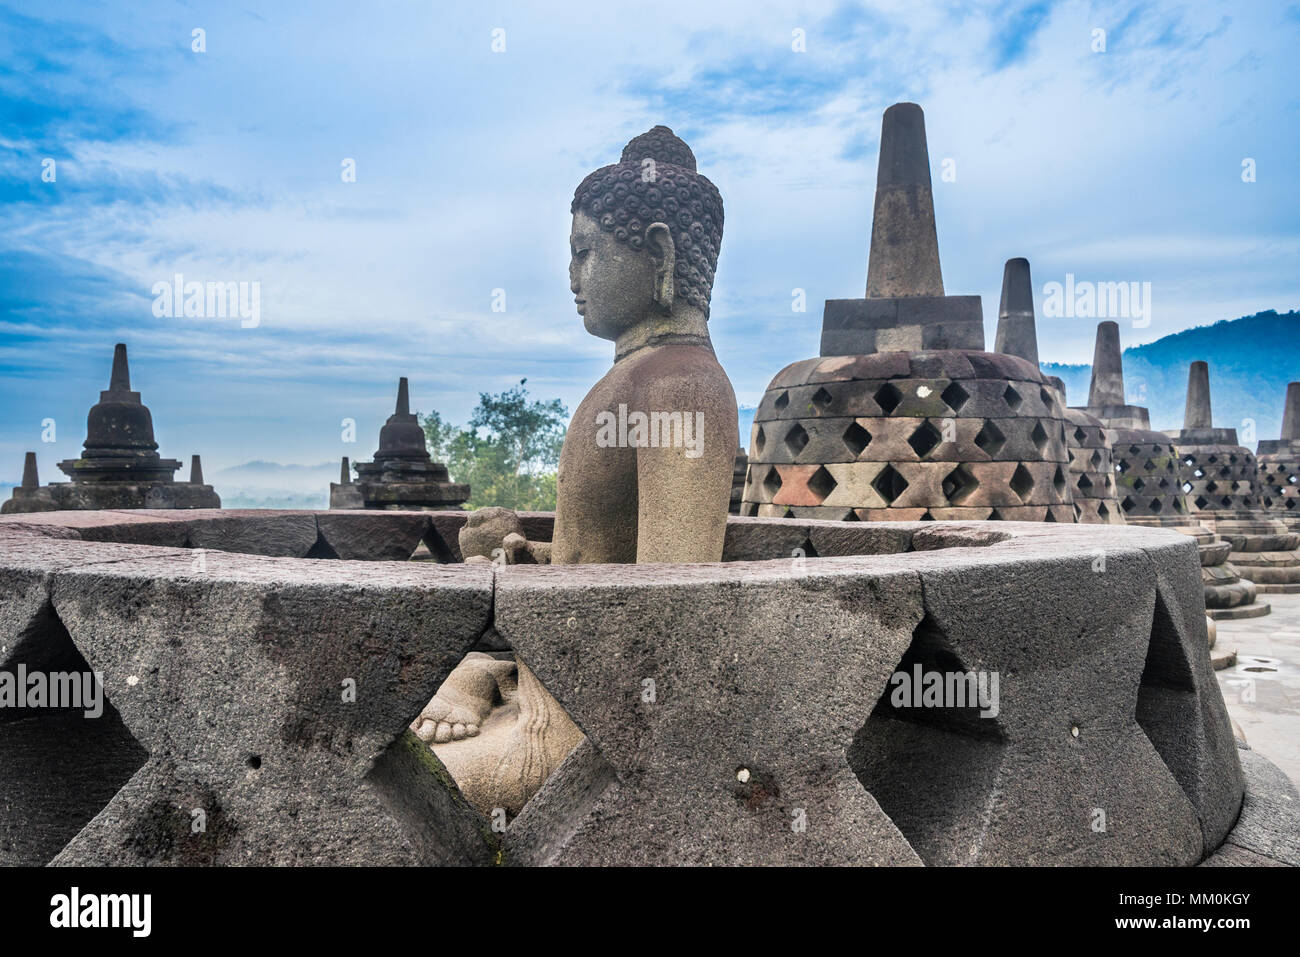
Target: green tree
column 508, row 453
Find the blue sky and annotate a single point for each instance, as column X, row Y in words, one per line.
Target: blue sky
column 1123, row 165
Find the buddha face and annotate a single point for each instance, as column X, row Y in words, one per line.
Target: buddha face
column 613, row 284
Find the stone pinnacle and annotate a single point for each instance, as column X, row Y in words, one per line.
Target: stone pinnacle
column 196, row 471
column 1107, row 388
column 403, row 398
column 1197, row 414
column 120, row 380
column 345, row 474
column 1291, row 414
column 1016, row 335
column 904, row 258
column 30, row 479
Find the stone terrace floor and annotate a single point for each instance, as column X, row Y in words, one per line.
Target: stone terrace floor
column 1271, row 721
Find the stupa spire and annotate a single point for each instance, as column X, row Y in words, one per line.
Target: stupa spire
column 1197, row 414
column 1016, row 335
column 904, row 259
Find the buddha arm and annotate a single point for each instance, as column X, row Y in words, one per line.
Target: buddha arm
column 682, row 498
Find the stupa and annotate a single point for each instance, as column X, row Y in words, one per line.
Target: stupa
column 1224, row 496
column 738, row 473
column 1151, row 482
column 119, row 466
column 403, row 475
column 904, row 415
column 1278, row 461
column 1091, row 471
column 30, row 496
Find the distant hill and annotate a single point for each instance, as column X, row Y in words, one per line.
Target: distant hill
column 262, row 484
column 1251, row 361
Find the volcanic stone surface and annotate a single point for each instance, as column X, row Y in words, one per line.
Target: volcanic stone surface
column 258, row 704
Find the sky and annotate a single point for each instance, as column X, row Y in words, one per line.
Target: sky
column 1122, row 164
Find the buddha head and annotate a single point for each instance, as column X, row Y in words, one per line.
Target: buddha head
column 645, row 239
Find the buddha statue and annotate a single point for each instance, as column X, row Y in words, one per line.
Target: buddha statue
column 646, row 467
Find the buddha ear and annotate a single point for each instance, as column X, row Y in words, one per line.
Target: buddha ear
column 662, row 249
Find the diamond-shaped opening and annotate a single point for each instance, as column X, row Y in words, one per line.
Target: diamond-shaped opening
column 59, row 751
column 995, row 516
column 1122, row 466
column 1102, row 510
column 888, row 397
column 1050, row 516
column 782, row 401
column 890, row 484
column 924, row 439
column 990, row 439
column 1212, row 459
column 1150, row 466
column 1079, row 435
column 904, row 739
column 760, row 441
column 1138, row 484
column 1058, row 481
column 796, row 439
column 434, row 548
column 1045, row 397
column 1293, row 479
column 1163, row 483
column 489, row 712
column 1014, row 399
column 1201, row 502
column 1211, row 486
column 1022, row 483
column 1198, row 474
column 772, row 481
column 809, row 549
column 821, row 483
column 1167, row 691
column 323, row 549
column 955, row 396
column 822, row 399
column 1155, row 505
column 1084, row 485
column 1128, row 504
column 1038, row 436
column 958, row 484
column 1134, row 450
column 856, row 439
column 1095, row 460
column 1232, row 459
column 1226, row 501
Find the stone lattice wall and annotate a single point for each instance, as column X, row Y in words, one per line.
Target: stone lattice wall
column 1092, row 470
column 892, row 436
column 228, row 674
